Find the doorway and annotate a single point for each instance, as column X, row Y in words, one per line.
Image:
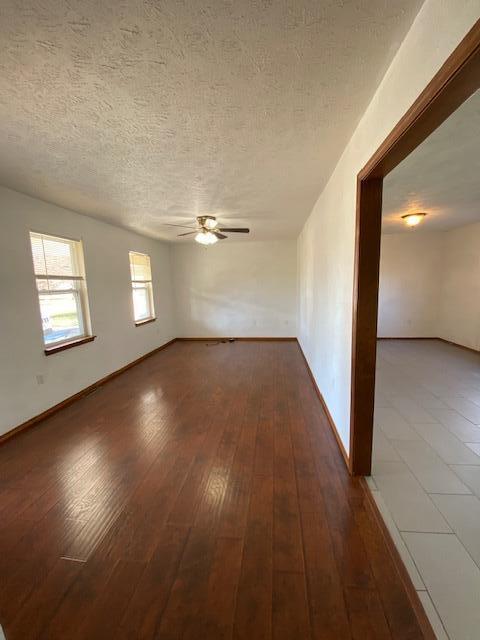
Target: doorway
column 455, row 82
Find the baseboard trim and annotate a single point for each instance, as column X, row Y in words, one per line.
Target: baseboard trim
column 57, row 407
column 460, row 346
column 407, row 338
column 243, row 339
column 454, row 344
column 331, row 421
column 412, row 594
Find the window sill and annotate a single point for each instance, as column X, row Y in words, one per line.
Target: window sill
column 140, row 323
column 68, row 345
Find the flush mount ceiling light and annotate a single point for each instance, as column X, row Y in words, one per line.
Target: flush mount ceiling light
column 412, row 219
column 206, row 237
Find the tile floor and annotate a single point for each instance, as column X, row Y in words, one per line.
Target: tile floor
column 426, row 474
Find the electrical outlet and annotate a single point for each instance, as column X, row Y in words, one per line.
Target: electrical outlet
column 40, row 379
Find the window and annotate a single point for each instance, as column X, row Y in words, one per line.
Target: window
column 142, row 291
column 62, row 293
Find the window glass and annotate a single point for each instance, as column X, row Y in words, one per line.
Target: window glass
column 142, row 290
column 58, row 267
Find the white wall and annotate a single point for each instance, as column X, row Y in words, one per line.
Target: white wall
column 459, row 311
column 409, row 293
column 430, row 285
column 107, row 268
column 326, row 244
column 241, row 289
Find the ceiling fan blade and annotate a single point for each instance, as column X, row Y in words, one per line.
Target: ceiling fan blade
column 220, row 236
column 184, row 226
column 189, row 233
column 234, row 230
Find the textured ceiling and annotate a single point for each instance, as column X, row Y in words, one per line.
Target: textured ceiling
column 441, row 177
column 140, row 113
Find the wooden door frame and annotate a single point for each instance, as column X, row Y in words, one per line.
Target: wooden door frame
column 456, row 81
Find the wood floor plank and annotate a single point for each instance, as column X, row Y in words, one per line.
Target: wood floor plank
column 107, row 611
column 134, row 535
column 366, row 615
column 188, row 593
column 253, row 615
column 80, row 600
column 329, row 616
column 290, row 615
column 287, row 538
column 396, row 605
column 216, row 617
column 41, row 605
column 205, row 496
column 237, row 494
column 143, row 615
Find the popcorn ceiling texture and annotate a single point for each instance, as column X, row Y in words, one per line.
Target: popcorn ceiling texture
column 141, row 113
column 441, row 177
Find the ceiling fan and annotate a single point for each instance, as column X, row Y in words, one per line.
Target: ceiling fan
column 207, row 230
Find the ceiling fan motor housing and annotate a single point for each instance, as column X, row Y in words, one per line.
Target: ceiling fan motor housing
column 208, row 229
column 208, row 222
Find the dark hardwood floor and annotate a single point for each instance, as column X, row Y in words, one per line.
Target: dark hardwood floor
column 201, row 495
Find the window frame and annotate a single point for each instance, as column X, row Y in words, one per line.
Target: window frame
column 79, row 292
column 148, row 287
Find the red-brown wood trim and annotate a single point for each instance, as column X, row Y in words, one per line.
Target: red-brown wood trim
column 457, row 80
column 68, row 345
column 331, row 421
column 48, row 412
column 364, row 330
column 142, row 322
column 407, row 338
column 255, row 339
column 412, row 594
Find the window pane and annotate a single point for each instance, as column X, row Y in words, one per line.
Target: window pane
column 62, row 285
column 140, row 266
column 59, row 257
column 54, row 256
column 61, row 316
column 44, row 284
column 141, row 302
column 37, row 253
column 58, row 265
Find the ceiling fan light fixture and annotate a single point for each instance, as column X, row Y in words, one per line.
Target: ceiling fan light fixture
column 207, row 230
column 206, row 238
column 412, row 219
column 207, row 222
column 210, row 223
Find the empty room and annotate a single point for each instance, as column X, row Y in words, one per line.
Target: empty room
column 426, row 453
column 239, row 390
